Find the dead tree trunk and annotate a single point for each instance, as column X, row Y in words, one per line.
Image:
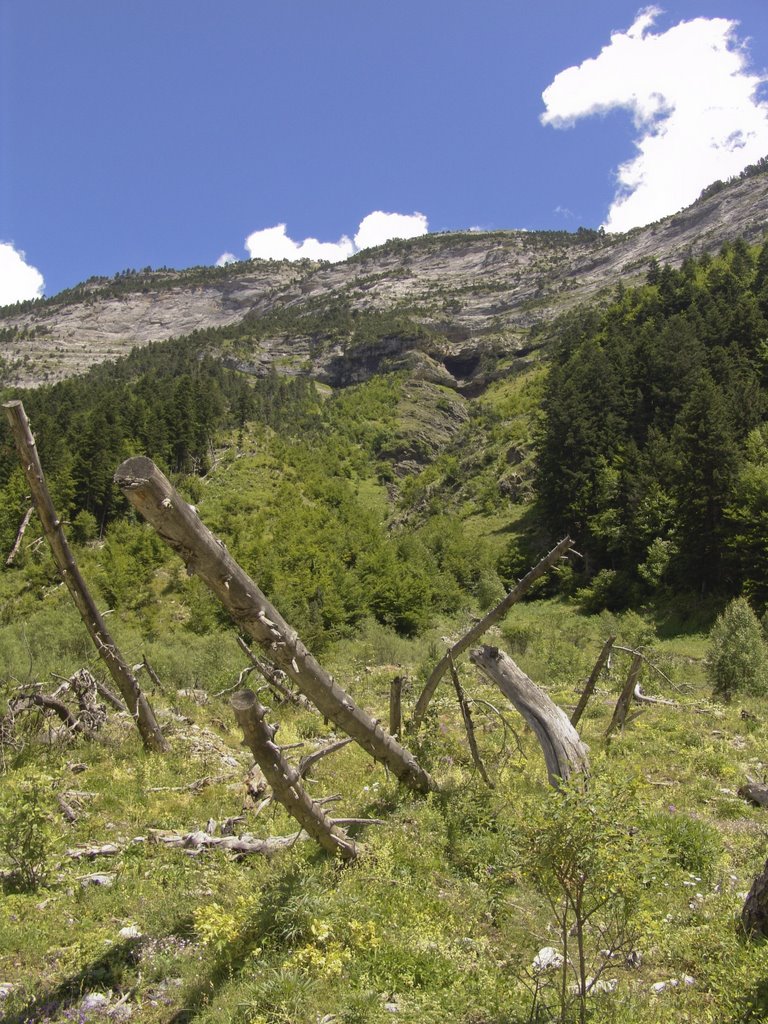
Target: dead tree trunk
column 177, row 523
column 468, row 725
column 590, row 684
column 20, row 536
column 136, row 702
column 754, row 913
column 396, row 706
column 564, row 752
column 625, row 697
column 285, row 780
column 481, row 627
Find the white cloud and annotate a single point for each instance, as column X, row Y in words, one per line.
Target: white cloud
column 18, row 280
column 374, row 229
column 377, row 228
column 694, row 105
column 225, row 258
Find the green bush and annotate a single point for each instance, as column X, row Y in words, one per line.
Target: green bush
column 25, row 833
column 737, row 660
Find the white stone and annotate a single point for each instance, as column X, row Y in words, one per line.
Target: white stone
column 658, row 986
column 129, row 932
column 547, row 959
column 94, row 1001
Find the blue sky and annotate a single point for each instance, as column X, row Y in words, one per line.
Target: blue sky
column 173, row 132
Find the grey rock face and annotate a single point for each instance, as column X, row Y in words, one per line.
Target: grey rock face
column 478, row 295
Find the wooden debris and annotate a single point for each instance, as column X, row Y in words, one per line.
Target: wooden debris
column 468, row 726
column 285, row 780
column 590, row 684
column 493, row 616
column 149, row 491
column 755, row 793
column 93, row 620
column 564, row 753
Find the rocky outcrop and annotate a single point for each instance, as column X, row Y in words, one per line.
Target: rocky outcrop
column 478, row 294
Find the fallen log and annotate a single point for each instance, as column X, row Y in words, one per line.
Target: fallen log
column 564, row 753
column 26, row 701
column 148, row 490
column 473, row 635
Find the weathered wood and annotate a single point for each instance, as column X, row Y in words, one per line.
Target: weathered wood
column 491, row 618
column 468, row 726
column 754, row 913
column 309, row 759
column 755, row 793
column 20, row 536
column 564, row 753
column 124, row 678
column 286, row 780
column 625, row 697
column 26, row 701
column 275, row 677
column 178, row 525
column 396, row 706
column 589, row 686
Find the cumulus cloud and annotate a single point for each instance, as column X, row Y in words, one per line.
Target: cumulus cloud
column 694, row 104
column 374, row 229
column 18, row 280
column 225, row 258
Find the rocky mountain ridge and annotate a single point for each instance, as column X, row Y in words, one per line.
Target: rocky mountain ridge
column 476, row 295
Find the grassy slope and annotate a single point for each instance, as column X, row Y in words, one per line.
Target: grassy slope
column 297, row 938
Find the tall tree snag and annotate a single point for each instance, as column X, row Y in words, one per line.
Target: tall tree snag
column 564, row 752
column 178, row 524
column 491, row 618
column 284, row 779
column 126, row 682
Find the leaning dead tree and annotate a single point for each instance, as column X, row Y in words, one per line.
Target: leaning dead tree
column 177, row 523
column 126, row 682
column 493, row 616
column 589, row 686
column 563, row 750
column 286, row 780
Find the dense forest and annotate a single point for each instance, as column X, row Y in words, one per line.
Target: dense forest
column 653, row 449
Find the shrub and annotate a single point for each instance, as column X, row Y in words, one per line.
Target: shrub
column 25, row 833
column 737, row 659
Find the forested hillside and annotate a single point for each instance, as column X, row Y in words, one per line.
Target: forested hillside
column 383, row 518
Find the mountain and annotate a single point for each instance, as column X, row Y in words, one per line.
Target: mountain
column 452, row 307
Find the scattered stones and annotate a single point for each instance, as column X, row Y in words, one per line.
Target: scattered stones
column 129, row 932
column 6, row 987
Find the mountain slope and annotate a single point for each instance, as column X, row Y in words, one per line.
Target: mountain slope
column 474, row 293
